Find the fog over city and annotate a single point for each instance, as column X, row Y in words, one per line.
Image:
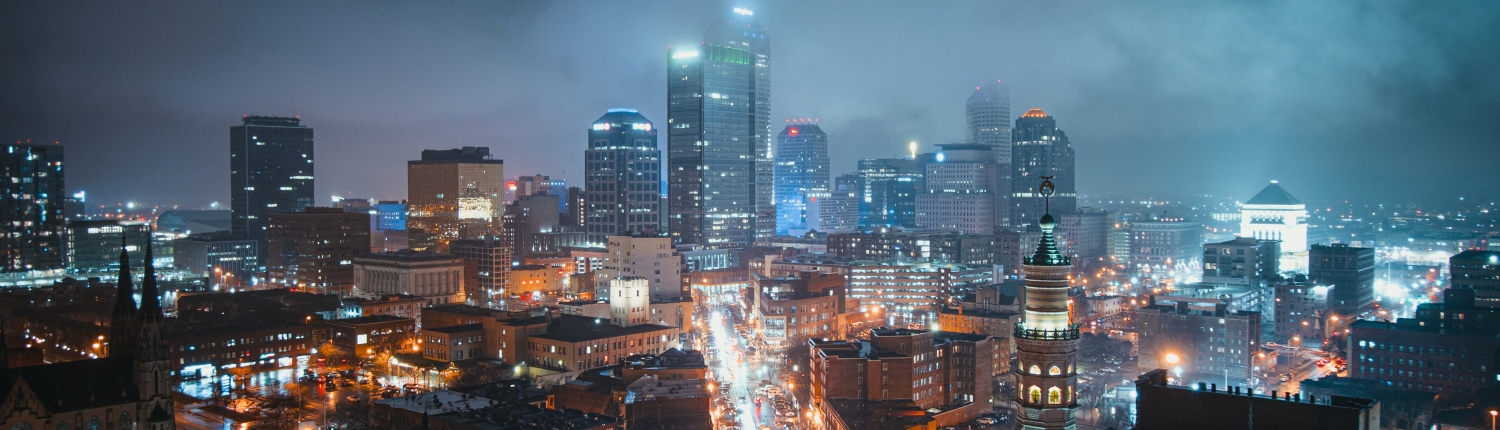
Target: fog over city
column 1386, row 102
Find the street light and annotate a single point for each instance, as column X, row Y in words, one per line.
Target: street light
column 1493, row 415
column 1172, row 358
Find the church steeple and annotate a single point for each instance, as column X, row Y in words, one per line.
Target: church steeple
column 150, row 301
column 122, row 322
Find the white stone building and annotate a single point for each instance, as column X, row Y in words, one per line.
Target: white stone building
column 439, row 278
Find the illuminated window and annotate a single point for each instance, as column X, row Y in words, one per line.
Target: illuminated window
column 1035, row 394
column 1036, row 370
column 1054, row 371
column 1054, row 396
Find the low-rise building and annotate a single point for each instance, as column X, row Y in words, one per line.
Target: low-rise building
column 650, row 257
column 217, row 254
column 456, row 314
column 365, row 336
column 453, row 343
column 1400, row 409
column 396, row 305
column 1449, row 348
column 947, row 371
column 1205, row 405
column 1242, row 261
column 437, row 278
column 532, row 280
column 1199, row 345
column 661, row 404
column 789, row 311
column 1478, row 271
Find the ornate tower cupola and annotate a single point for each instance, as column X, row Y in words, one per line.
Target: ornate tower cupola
column 1046, row 339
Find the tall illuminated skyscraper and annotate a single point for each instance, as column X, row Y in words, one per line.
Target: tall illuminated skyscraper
column 1039, row 148
column 622, row 177
column 719, row 167
column 988, row 117
column 801, row 171
column 31, row 208
column 270, row 171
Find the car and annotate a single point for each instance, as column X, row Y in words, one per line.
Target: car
column 352, row 399
column 986, row 420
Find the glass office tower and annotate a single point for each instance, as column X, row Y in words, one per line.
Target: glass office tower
column 270, row 170
column 31, row 208
column 801, row 171
column 719, row 167
column 622, row 177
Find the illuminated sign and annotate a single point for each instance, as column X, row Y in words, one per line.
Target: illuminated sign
column 792, row 131
column 641, row 126
column 601, row 127
column 685, row 54
column 361, row 339
column 743, row 11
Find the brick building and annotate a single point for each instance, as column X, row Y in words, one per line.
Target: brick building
column 311, row 249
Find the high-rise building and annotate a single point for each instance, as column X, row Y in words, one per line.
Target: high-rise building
column 622, row 173
column 988, row 115
column 888, row 191
column 1046, row 340
column 270, row 171
column 960, row 190
column 1350, row 271
column 1478, row 271
column 311, row 250
column 493, row 261
column 574, row 216
column 1274, row 214
column 1039, row 148
column 719, row 170
column 801, row 172
column 449, row 190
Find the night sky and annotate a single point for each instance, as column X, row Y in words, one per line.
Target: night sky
column 1382, row 101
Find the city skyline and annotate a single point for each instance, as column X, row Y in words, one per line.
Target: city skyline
column 1303, row 122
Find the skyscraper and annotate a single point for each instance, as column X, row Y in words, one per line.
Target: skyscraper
column 31, row 208
column 270, row 171
column 1046, row 340
column 801, row 172
column 622, row 177
column 719, row 166
column 960, row 190
column 448, row 190
column 888, row 189
column 988, row 117
column 1039, row 148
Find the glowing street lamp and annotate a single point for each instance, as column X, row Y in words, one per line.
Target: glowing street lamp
column 1172, row 358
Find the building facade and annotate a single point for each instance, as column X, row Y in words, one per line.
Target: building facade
column 987, row 112
column 888, row 189
column 270, row 171
column 1242, row 261
column 1039, row 148
column 790, row 311
column 449, row 191
column 960, row 190
column 652, row 258
column 216, row 254
column 439, row 278
column 1166, row 244
column 1199, row 345
column 966, row 249
column 622, row 177
column 312, row 249
column 491, row 257
column 719, row 166
column 1478, row 271
column 93, row 245
column 1349, row 272
column 802, row 173
column 1274, row 214
column 32, row 207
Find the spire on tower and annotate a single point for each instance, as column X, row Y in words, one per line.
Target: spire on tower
column 150, row 302
column 1047, row 253
column 122, row 322
column 124, row 286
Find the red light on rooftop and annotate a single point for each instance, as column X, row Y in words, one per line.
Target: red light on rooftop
column 792, row 131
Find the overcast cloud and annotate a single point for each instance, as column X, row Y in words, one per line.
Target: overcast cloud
column 1389, row 101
